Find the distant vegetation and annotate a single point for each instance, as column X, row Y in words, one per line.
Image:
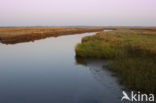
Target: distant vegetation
column 131, row 54
column 18, row 35
column 13, row 35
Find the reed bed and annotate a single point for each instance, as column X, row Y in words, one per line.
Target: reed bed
column 131, row 55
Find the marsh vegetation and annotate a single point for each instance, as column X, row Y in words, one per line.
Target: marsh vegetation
column 19, row 34
column 131, row 54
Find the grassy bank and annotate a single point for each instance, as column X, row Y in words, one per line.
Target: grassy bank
column 132, row 55
column 17, row 35
column 14, row 35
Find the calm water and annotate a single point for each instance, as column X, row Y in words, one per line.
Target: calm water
column 46, row 71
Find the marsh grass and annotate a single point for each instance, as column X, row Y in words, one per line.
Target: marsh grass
column 18, row 35
column 136, row 73
column 132, row 54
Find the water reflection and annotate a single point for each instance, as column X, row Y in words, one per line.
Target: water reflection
column 103, row 76
column 44, row 71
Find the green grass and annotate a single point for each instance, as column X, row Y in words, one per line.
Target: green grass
column 132, row 54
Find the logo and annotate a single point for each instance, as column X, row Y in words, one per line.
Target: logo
column 137, row 96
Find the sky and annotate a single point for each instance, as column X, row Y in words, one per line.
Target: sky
column 77, row 12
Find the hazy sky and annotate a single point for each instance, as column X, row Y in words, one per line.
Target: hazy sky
column 77, row 12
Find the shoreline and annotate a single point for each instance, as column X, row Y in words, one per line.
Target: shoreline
column 131, row 54
column 40, row 33
column 27, row 34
